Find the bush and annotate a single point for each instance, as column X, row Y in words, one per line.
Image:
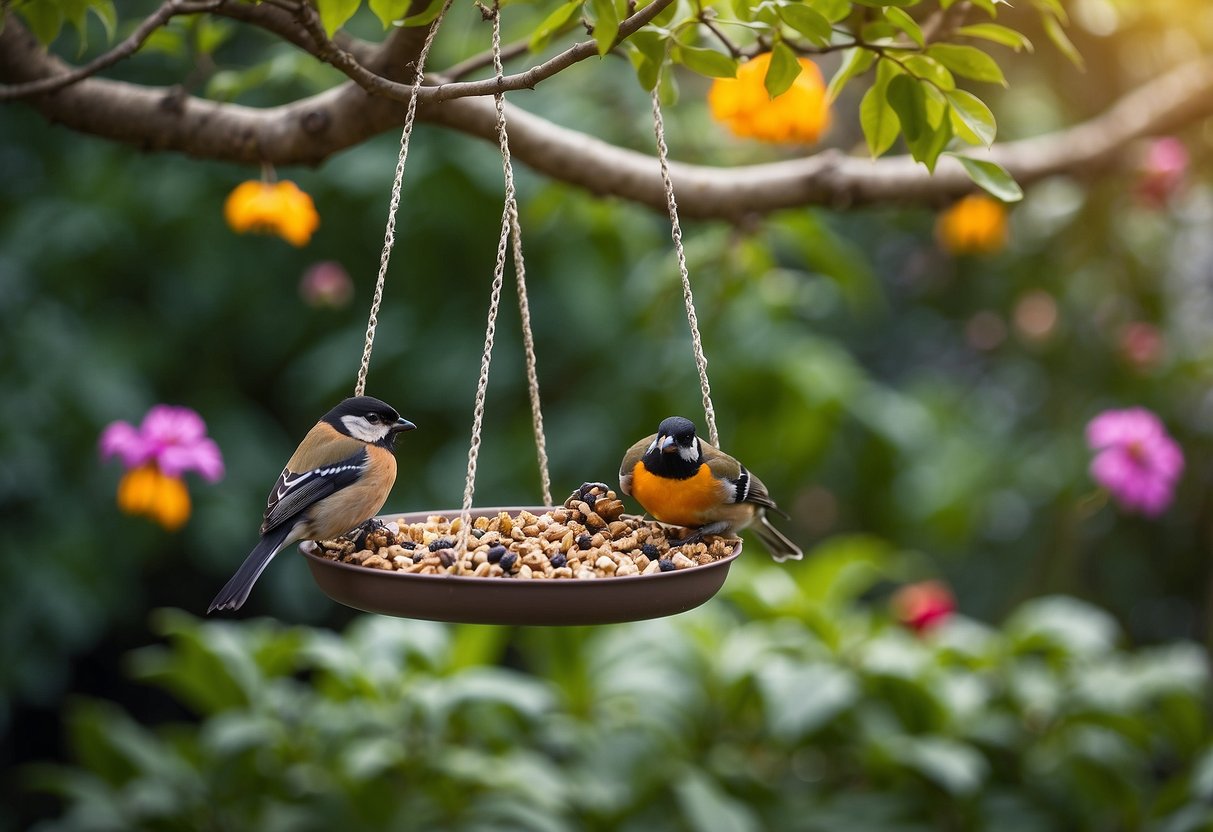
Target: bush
column 782, row 706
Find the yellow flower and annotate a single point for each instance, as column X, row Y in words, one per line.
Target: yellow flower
column 800, row 114
column 149, row 492
column 272, row 208
column 976, row 224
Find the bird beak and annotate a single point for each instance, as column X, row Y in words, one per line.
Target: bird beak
column 402, row 425
column 666, row 444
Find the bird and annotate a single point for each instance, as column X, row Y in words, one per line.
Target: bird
column 337, row 479
column 681, row 480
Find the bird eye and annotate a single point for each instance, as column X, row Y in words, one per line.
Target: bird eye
column 373, row 418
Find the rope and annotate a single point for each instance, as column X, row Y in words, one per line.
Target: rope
column 511, row 231
column 389, row 236
column 701, row 360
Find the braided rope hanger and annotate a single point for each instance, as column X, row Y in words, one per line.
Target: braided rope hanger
column 389, row 235
column 511, row 232
column 701, row 360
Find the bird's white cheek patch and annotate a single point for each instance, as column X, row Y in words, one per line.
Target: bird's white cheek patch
column 690, row 454
column 360, row 428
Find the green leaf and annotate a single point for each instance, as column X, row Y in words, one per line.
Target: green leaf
column 708, row 808
column 335, row 13
column 855, row 62
column 808, row 21
column 667, row 88
column 646, row 51
column 841, row 568
column 424, row 17
column 606, row 24
column 989, row 6
column 832, row 10
column 389, row 11
column 928, row 147
column 929, row 69
column 211, row 33
column 707, row 62
column 107, row 14
column 956, row 767
column 790, row 714
column 998, row 34
column 968, row 61
column 1062, row 41
column 880, row 4
column 44, row 20
column 975, row 115
column 783, row 70
column 878, row 120
column 992, row 177
column 902, row 20
column 907, row 99
column 1078, row 628
column 554, row 23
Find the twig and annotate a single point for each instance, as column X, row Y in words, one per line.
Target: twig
column 467, row 67
column 123, row 50
column 445, row 91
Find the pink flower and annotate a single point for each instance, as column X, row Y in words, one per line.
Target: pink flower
column 1135, row 460
column 1141, row 345
column 326, row 283
column 1163, row 171
column 173, row 438
column 923, row 605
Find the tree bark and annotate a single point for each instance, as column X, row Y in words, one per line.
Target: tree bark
column 310, row 130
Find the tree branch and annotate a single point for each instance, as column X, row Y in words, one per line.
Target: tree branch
column 129, row 46
column 312, row 129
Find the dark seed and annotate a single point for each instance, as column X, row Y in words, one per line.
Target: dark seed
column 496, row 553
column 407, row 544
column 584, row 541
column 666, row 565
column 442, row 543
column 446, row 556
column 507, row 561
column 651, row 551
column 417, row 558
column 477, row 533
column 558, row 560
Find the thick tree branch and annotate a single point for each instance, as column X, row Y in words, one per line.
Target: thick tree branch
column 311, row 130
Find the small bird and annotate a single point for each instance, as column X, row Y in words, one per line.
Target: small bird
column 682, row 480
column 337, row 479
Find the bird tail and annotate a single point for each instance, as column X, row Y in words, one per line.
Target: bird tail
column 235, row 592
column 777, row 543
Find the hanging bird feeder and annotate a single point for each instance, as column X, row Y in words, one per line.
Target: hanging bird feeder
column 585, row 562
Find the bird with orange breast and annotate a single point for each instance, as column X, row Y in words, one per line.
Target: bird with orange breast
column 681, row 480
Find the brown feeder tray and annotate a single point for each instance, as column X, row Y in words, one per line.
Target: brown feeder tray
column 561, row 602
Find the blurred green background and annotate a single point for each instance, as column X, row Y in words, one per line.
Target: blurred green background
column 901, row 403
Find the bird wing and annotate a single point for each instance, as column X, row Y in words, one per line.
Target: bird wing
column 634, row 455
column 295, row 491
column 747, row 488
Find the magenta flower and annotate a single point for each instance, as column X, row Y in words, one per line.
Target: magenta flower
column 172, row 438
column 1163, row 171
column 1135, row 460
column 326, row 284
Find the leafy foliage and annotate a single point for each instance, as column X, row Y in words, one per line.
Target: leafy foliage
column 917, row 49
column 804, row 710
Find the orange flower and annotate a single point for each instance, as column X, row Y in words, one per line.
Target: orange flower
column 149, row 492
column 800, row 114
column 272, row 208
column 976, row 224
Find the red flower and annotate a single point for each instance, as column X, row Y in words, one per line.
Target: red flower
column 923, row 605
